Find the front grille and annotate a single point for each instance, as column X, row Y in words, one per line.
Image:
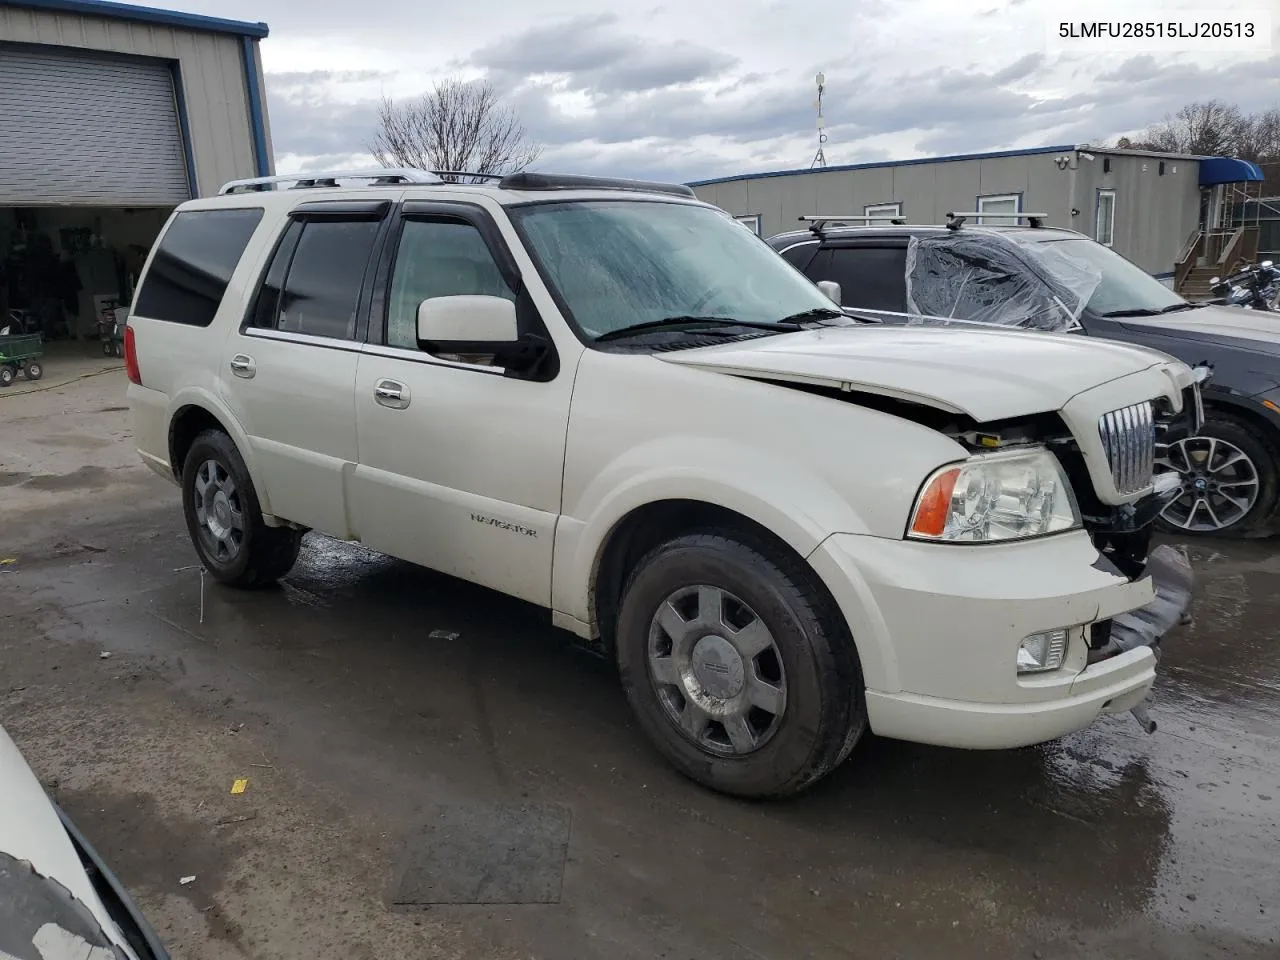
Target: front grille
column 1129, row 438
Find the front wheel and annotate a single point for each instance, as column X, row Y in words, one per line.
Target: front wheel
column 738, row 666
column 6, row 376
column 1229, row 480
column 224, row 518
column 33, row 371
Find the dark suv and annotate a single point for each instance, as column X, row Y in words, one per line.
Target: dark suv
column 1063, row 282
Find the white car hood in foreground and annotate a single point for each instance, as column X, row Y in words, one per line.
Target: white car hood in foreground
column 31, row 832
column 984, row 373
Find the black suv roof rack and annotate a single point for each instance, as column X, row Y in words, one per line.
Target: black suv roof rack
column 1034, row 220
column 816, row 224
column 556, row 181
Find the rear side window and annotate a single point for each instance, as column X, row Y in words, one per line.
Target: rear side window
column 194, row 263
column 313, row 283
column 870, row 278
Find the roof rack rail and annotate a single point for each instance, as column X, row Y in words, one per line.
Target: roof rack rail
column 380, row 177
column 816, row 223
column 1035, row 220
column 555, row 181
column 455, row 176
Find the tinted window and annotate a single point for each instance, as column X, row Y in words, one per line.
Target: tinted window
column 438, row 258
column 325, row 273
column 267, row 305
column 800, row 255
column 193, row 265
column 873, row 278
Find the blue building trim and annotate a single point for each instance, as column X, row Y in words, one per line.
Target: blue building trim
column 184, row 127
column 128, row 11
column 1032, row 151
column 257, row 115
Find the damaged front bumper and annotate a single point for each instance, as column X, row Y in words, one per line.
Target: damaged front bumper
column 1173, row 579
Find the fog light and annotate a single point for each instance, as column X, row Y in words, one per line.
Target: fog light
column 1042, row 652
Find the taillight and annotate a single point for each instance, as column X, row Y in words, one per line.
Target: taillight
column 131, row 357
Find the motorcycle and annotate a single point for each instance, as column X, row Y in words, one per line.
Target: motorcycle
column 1254, row 287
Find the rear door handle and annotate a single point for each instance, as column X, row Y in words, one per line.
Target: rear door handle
column 391, row 393
column 243, row 366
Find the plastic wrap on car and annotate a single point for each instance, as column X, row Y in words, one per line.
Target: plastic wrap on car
column 959, row 277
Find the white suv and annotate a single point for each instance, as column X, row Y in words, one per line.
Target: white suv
column 611, row 400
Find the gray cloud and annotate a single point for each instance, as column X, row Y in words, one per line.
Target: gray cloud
column 599, row 58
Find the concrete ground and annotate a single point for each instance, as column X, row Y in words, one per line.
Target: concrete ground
column 410, row 737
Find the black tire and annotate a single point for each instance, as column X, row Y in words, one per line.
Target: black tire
column 825, row 710
column 33, row 371
column 264, row 554
column 1248, row 439
column 6, row 376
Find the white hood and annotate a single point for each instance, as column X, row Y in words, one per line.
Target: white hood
column 32, row 832
column 987, row 374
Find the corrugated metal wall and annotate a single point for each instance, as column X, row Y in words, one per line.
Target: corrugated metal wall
column 1154, row 214
column 84, row 128
column 211, row 66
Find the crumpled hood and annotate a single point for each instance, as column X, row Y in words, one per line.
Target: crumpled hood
column 984, row 373
column 1257, row 330
column 62, row 914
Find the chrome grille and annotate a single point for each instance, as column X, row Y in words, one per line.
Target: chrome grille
column 1129, row 438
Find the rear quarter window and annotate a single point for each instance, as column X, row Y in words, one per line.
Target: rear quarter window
column 192, row 266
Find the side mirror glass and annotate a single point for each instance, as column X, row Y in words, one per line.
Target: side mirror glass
column 477, row 323
column 831, row 289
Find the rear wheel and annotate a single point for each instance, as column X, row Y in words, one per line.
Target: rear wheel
column 6, row 375
column 33, row 371
column 224, row 518
column 738, row 665
column 1229, row 479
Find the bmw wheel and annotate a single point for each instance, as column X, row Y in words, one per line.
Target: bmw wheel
column 1229, row 480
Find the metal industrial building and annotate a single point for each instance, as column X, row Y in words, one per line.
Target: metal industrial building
column 1176, row 216
column 110, row 115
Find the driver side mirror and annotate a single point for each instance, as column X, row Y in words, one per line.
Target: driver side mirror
column 478, row 329
column 1214, row 281
column 1266, row 264
column 832, row 291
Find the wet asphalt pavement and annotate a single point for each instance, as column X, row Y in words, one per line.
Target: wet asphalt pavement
column 375, row 707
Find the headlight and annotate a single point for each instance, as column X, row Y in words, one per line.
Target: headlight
column 998, row 496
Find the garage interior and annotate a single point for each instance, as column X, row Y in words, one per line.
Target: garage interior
column 93, row 159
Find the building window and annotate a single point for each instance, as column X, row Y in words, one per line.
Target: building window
column 1106, row 225
column 751, row 222
column 1000, row 203
column 883, row 209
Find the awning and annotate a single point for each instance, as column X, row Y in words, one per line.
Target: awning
column 1216, row 170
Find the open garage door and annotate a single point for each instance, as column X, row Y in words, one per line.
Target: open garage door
column 85, row 128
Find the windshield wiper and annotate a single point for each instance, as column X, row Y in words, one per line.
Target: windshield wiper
column 818, row 313
column 694, row 321
column 1148, row 312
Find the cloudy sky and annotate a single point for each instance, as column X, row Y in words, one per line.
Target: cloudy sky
column 691, row 89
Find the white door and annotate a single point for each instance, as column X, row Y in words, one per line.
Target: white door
column 290, row 370
column 460, row 466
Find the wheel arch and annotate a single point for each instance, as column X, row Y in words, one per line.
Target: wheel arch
column 197, row 411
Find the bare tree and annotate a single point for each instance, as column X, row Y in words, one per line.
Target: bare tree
column 1258, row 137
column 459, row 125
column 1209, row 128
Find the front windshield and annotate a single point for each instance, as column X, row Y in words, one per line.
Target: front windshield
column 618, row 263
column 1123, row 287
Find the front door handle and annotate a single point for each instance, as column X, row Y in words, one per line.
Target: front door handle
column 243, row 366
column 391, row 393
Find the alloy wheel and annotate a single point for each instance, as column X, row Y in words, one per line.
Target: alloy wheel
column 1220, row 484
column 717, row 670
column 219, row 511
